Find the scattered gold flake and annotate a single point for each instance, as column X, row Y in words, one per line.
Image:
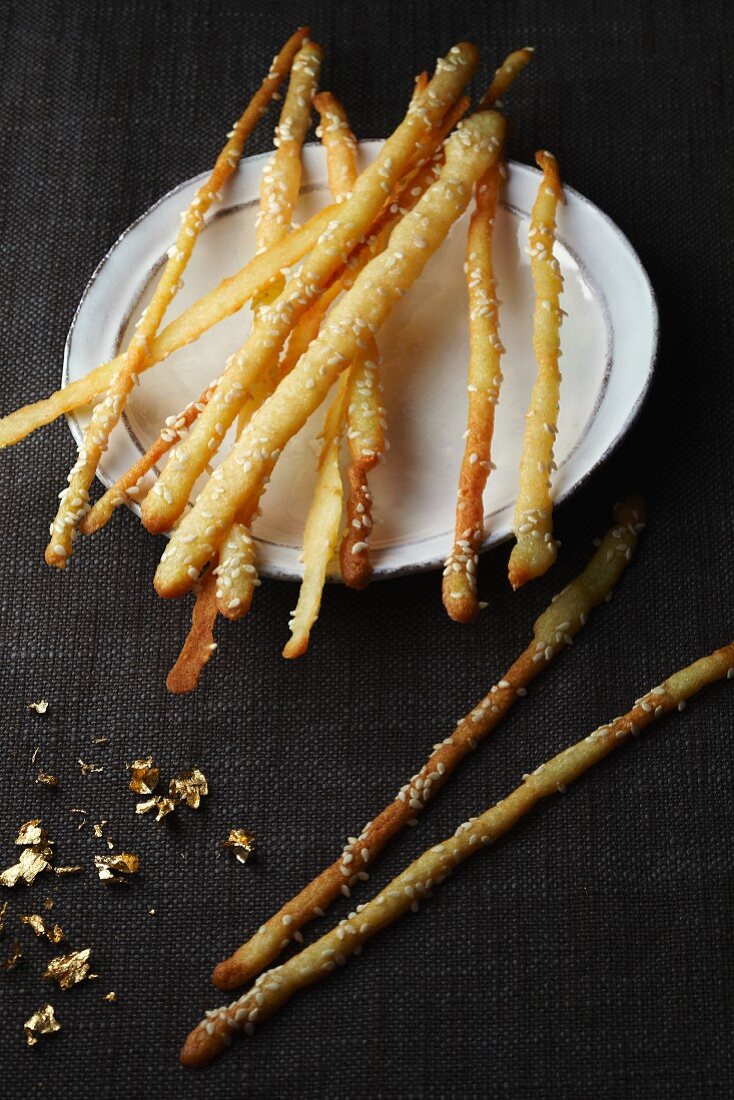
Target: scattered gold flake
column 162, row 805
column 16, row 952
column 3, row 914
column 100, row 741
column 99, row 827
column 68, row 870
column 88, row 769
column 124, row 863
column 40, row 707
column 43, row 1022
column 111, row 997
column 52, row 932
column 31, row 832
column 189, row 787
column 144, row 775
column 48, row 903
column 76, row 810
column 69, row 969
column 30, row 864
column 47, row 780
column 110, row 843
column 242, row 844
column 35, row 754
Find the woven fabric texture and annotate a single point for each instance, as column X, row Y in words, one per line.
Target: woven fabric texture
column 589, row 953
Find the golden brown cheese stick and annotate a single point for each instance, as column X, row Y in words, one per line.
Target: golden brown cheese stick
column 281, row 179
column 553, row 630
column 357, row 316
column 535, row 549
column 506, row 75
column 351, row 220
column 73, row 504
column 405, row 892
column 321, row 535
column 199, row 645
column 365, row 423
column 459, row 586
column 130, row 484
column 340, row 145
column 279, row 190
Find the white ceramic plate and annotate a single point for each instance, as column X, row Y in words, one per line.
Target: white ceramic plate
column 609, row 340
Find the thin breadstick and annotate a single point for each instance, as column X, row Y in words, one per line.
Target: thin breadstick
column 339, row 143
column 281, row 179
column 506, row 75
column 359, row 314
column 459, row 586
column 321, row 536
column 405, row 892
column 352, row 218
column 553, row 631
column 535, row 549
column 279, row 191
column 107, row 412
column 367, row 445
column 365, row 423
column 130, row 486
column 485, row 378
column 200, row 644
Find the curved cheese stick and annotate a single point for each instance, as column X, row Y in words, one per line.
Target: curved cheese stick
column 321, row 536
column 105, row 415
column 214, row 1034
column 485, row 377
column 535, row 549
column 553, row 630
column 359, row 314
column 352, row 219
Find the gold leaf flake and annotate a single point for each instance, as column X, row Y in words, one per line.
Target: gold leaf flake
column 68, row 870
column 110, row 868
column 88, row 769
column 100, row 740
column 162, row 805
column 69, row 969
column 52, row 932
column 189, row 787
column 43, row 1022
column 47, row 780
column 31, row 832
column 35, row 754
column 241, row 843
column 3, row 914
column 30, row 864
column 48, row 903
column 144, row 775
column 99, row 827
column 111, row 997
column 40, row 707
column 16, row 952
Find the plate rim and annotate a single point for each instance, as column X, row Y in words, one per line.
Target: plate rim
column 385, row 572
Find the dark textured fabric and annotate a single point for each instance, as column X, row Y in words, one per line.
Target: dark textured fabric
column 588, row 954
